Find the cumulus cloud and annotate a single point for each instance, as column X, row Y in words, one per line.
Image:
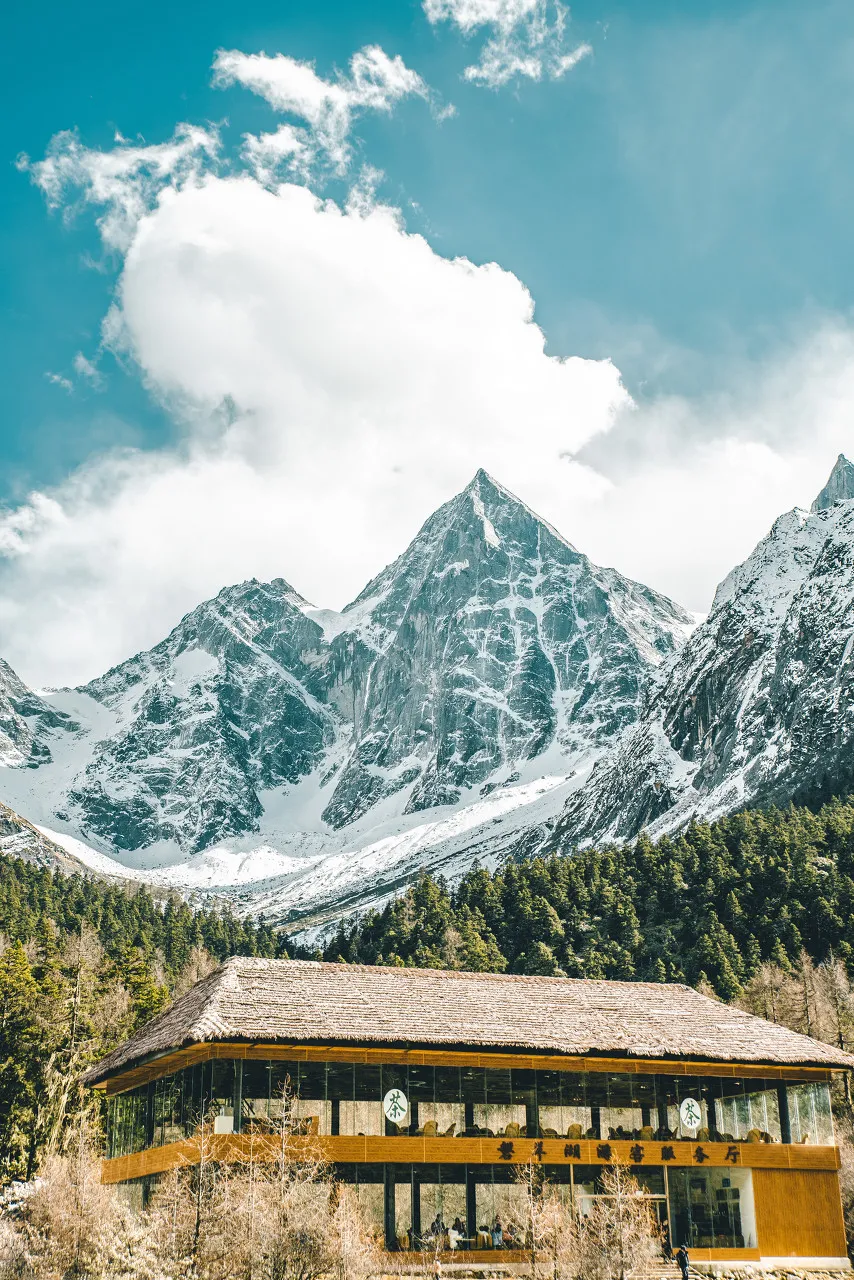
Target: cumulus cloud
column 376, row 83
column 690, row 484
column 527, row 37
column 335, row 378
column 122, row 181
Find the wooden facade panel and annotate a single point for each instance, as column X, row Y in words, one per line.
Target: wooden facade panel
column 171, row 1062
column 798, row 1214
column 343, row 1149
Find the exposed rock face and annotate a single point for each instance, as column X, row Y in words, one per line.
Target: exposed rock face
column 490, row 643
column 759, row 704
column 20, row 839
column 839, row 487
column 22, row 715
column 227, row 705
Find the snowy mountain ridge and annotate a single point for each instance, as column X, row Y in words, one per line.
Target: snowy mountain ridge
column 491, row 693
column 453, row 705
column 758, row 707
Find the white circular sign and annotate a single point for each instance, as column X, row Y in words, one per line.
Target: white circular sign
column 395, row 1105
column 690, row 1113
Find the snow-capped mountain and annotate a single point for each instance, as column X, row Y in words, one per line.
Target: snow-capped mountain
column 305, row 757
column 23, row 719
column 759, row 704
column 488, row 642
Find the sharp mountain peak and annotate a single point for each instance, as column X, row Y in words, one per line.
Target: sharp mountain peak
column 839, row 487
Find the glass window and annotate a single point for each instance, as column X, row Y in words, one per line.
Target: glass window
column 449, row 1115
column 809, row 1113
column 501, row 1209
column 504, row 1117
column 645, row 1104
column 339, row 1089
column 597, row 1100
column 311, row 1109
column 364, row 1115
column 284, row 1084
column 129, row 1117
column 473, row 1094
column 167, row 1110
column 255, row 1105
column 523, row 1086
column 712, row 1208
column 421, row 1085
column 624, row 1119
column 749, row 1111
column 223, row 1083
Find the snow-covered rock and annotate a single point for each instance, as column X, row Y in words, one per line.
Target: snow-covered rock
column 23, row 714
column 301, row 756
column 759, row 704
column 488, row 642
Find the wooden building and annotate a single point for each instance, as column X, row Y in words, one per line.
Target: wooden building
column 426, row 1088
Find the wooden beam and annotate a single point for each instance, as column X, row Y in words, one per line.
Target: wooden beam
column 168, row 1063
column 239, row 1147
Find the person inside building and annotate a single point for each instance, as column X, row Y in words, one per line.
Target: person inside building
column 497, row 1233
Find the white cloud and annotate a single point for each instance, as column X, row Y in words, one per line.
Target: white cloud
column 525, row 40
column 122, row 181
column 59, row 380
column 336, row 380
column 375, row 83
column 698, row 481
column 267, row 153
column 85, row 368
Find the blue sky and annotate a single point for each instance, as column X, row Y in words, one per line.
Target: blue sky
column 680, row 201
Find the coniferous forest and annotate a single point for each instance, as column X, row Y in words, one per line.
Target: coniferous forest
column 756, row 908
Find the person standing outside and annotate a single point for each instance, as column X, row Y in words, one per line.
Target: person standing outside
column 682, row 1260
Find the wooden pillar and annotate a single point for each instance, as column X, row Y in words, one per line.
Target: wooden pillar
column 415, row 1208
column 335, row 1116
column 596, row 1121
column 149, row 1114
column 238, row 1095
column 388, row 1207
column 468, row 1107
column 471, row 1203
column 785, row 1118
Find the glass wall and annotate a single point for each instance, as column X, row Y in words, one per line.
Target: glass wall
column 809, row 1114
column 346, row 1098
column 712, row 1208
column 448, row 1207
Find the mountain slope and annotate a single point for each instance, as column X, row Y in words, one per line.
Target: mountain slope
column 489, row 641
column 298, row 754
column 229, row 704
column 759, row 705
column 24, row 717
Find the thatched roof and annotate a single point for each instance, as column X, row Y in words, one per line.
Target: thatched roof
column 305, row 1002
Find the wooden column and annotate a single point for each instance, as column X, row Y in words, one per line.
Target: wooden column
column 415, row 1212
column 388, row 1207
column 471, row 1203
column 783, row 1107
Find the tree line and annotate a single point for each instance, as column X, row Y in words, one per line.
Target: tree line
column 754, row 908
column 82, row 965
column 709, row 906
